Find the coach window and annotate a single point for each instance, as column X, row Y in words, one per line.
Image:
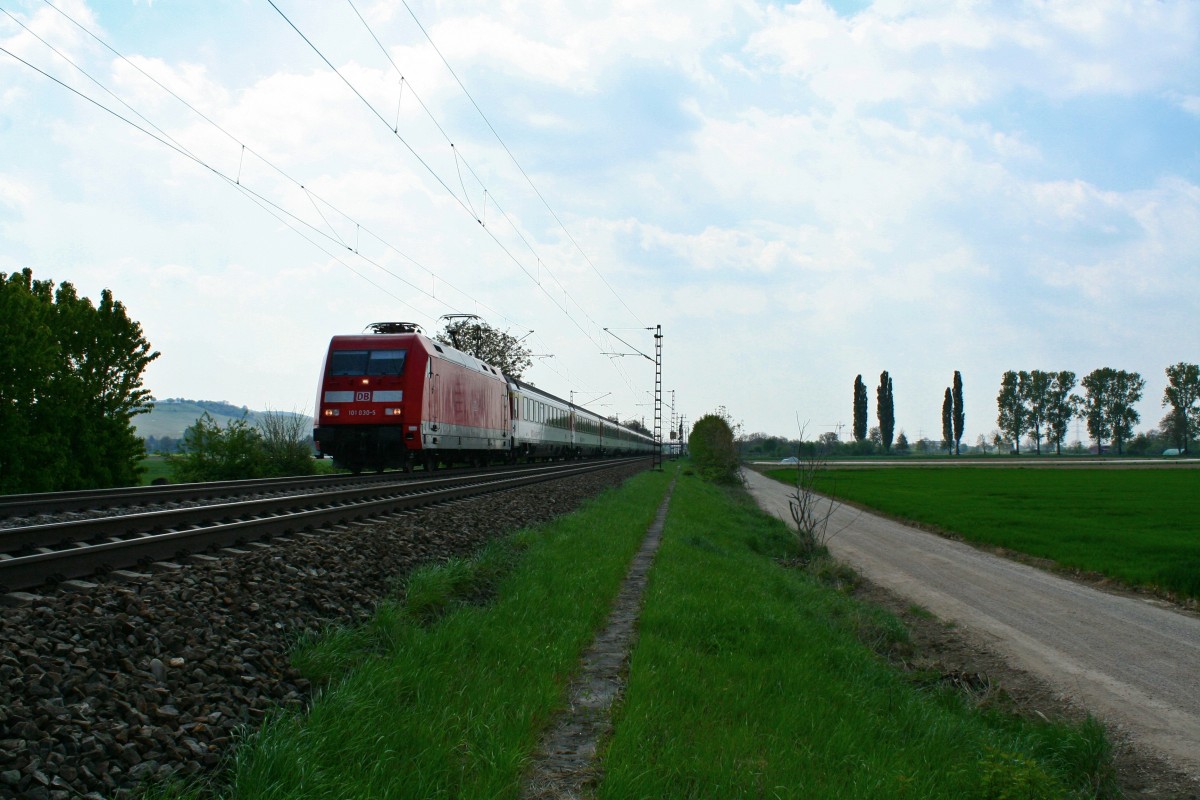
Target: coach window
column 348, row 362
column 386, row 362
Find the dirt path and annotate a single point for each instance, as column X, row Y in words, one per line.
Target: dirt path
column 1135, row 663
column 565, row 767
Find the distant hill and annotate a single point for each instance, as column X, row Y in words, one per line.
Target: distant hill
column 172, row 416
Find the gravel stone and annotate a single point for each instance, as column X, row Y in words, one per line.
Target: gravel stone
column 140, row 680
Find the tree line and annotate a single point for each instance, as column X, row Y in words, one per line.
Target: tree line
column 70, row 386
column 1041, row 404
column 1035, row 403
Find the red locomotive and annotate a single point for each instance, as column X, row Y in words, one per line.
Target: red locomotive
column 396, row 398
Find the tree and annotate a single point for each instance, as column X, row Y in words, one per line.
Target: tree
column 885, row 410
column 286, row 444
column 637, row 425
column 1060, row 408
column 212, row 453
column 811, row 510
column 70, row 385
column 499, row 348
column 713, row 449
column 948, row 422
column 860, row 409
column 1183, row 394
column 1127, row 391
column 1109, row 405
column 1172, row 430
column 1035, row 394
column 30, row 449
column 902, row 443
column 1011, row 404
column 960, row 414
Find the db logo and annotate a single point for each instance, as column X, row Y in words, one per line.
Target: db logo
column 362, row 397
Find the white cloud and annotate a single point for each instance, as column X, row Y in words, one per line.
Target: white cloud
column 49, row 26
column 138, row 80
column 13, row 193
column 1189, row 103
column 961, row 55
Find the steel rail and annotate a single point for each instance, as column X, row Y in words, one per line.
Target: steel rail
column 81, row 559
column 28, row 505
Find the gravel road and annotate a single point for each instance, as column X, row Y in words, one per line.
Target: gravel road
column 1133, row 662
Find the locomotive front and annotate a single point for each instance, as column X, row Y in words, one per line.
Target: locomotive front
column 368, row 404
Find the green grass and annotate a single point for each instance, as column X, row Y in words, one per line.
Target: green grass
column 445, row 693
column 1138, row 526
column 155, row 467
column 750, row 679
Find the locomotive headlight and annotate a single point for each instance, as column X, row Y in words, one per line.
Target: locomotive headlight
column 392, row 412
column 332, row 412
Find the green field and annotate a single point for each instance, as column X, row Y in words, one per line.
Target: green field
column 155, row 467
column 1136, row 525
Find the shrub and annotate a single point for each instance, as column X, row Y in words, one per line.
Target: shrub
column 713, row 449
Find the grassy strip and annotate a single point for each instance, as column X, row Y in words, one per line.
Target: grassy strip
column 1138, row 526
column 441, row 695
column 751, row 679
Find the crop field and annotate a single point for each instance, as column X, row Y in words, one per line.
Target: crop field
column 1137, row 526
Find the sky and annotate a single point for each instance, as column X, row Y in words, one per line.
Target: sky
column 797, row 193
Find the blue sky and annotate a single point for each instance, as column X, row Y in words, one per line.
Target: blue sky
column 798, row 193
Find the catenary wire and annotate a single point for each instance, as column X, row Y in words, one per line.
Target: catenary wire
column 283, row 215
column 312, row 196
column 459, row 158
column 508, row 252
column 521, row 169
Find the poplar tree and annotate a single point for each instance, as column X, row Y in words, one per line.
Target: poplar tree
column 960, row 416
column 860, row 409
column 948, row 422
column 885, row 410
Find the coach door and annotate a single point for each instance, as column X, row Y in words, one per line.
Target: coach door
column 431, row 380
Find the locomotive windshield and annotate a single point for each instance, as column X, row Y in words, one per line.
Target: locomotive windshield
column 366, row 362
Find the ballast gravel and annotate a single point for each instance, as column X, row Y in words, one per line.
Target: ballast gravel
column 147, row 679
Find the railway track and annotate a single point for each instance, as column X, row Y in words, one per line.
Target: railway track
column 33, row 505
column 32, row 555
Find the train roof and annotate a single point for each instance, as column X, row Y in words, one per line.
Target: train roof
column 530, row 388
column 431, row 347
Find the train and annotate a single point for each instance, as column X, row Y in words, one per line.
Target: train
column 396, row 399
